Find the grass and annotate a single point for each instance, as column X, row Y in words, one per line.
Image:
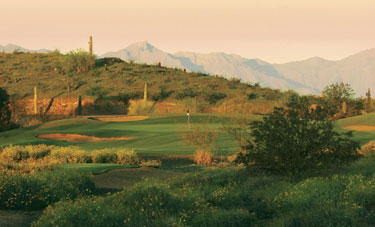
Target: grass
column 96, row 168
column 156, row 135
column 360, row 136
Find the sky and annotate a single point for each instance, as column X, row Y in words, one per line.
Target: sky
column 276, row 31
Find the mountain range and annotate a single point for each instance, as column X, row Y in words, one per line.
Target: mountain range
column 309, row 76
column 10, row 48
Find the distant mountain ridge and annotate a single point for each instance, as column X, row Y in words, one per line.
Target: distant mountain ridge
column 227, row 65
column 10, row 48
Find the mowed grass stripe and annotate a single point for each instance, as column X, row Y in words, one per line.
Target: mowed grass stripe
column 151, row 136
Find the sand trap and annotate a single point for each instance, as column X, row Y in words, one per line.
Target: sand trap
column 360, row 128
column 119, row 118
column 80, row 138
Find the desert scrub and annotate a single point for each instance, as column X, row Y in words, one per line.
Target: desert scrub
column 150, row 203
column 151, row 163
column 36, row 158
column 37, row 191
column 127, row 156
column 21, row 153
column 119, row 156
column 203, row 157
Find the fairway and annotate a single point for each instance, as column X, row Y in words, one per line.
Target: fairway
column 157, row 135
column 363, row 127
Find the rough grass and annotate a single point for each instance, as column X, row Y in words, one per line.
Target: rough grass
column 361, row 120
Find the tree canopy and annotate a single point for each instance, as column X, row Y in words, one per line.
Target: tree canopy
column 297, row 138
column 5, row 114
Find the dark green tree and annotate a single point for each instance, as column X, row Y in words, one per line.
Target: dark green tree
column 334, row 96
column 5, row 114
column 298, row 139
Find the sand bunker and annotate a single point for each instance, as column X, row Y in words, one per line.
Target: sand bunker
column 119, row 118
column 80, row 138
column 360, row 128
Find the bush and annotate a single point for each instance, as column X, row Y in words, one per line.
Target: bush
column 221, row 197
column 151, row 163
column 78, row 61
column 121, row 156
column 297, row 139
column 127, row 156
column 203, row 157
column 36, row 158
column 104, row 156
column 37, row 191
column 213, row 98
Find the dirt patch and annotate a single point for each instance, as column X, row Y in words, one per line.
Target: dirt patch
column 80, row 138
column 119, row 118
column 360, row 128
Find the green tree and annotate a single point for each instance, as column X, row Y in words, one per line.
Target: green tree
column 297, row 139
column 5, row 114
column 335, row 95
column 78, row 61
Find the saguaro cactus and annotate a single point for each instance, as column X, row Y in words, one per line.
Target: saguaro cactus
column 90, row 46
column 344, row 107
column 35, row 101
column 145, row 94
column 91, row 53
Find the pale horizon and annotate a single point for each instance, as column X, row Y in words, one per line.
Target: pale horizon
column 275, row 31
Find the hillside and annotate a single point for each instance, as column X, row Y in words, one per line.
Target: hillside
column 19, row 73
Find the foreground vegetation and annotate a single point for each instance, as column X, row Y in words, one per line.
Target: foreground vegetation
column 231, row 196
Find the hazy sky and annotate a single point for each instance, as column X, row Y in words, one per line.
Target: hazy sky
column 273, row 30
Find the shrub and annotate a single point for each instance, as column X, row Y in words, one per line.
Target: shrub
column 104, row 156
column 70, row 155
column 35, row 158
column 252, row 96
column 213, row 98
column 78, row 61
column 203, row 157
column 298, row 139
column 188, row 92
column 127, row 156
column 120, row 156
column 139, row 107
column 151, row 163
column 37, row 191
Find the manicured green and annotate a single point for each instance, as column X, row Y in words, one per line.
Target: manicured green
column 156, row 135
